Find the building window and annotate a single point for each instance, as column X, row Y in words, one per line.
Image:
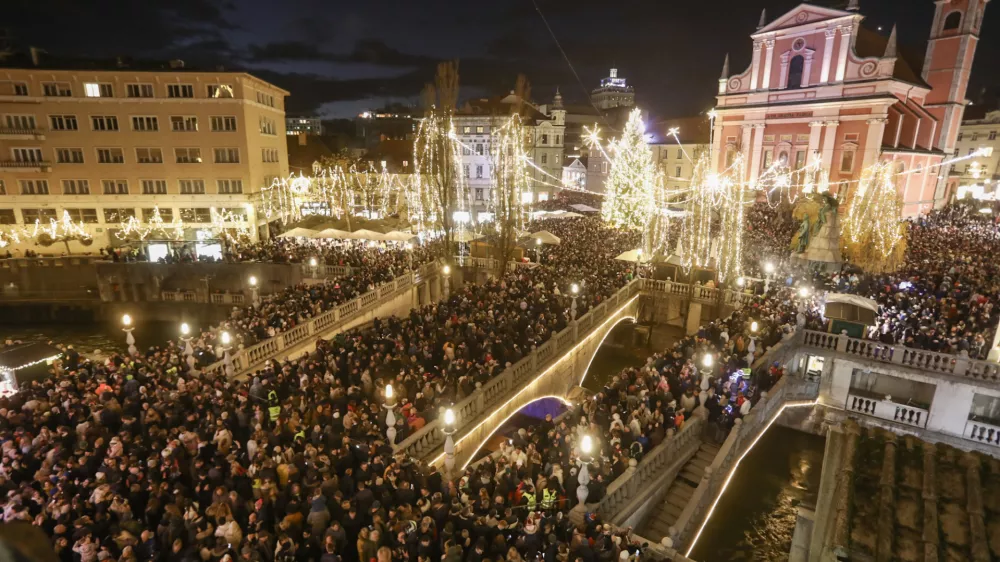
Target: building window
column 112, row 216
column 466, row 130
column 63, row 122
column 7, row 216
column 57, row 90
column 35, row 187
column 183, row 123
column 993, row 135
column 3, row 188
column 154, row 187
column 847, row 161
column 480, row 129
column 110, row 156
column 76, row 187
column 148, row 123
column 223, row 123
column 960, row 135
column 953, row 20
column 180, row 91
column 543, row 196
column 227, row 155
column 604, row 167
column 114, row 187
column 187, row 155
column 479, row 150
column 32, row 216
column 27, row 155
column 20, row 89
column 230, row 186
column 800, row 159
column 267, row 126
column 795, row 72
column 466, row 151
column 265, row 99
column 465, row 171
column 166, row 215
column 768, row 158
column 104, row 122
column 677, row 172
column 192, row 187
column 545, row 139
column 69, row 155
column 545, row 158
column 139, row 90
column 975, row 137
column 220, row 91
column 196, row 215
column 269, row 154
column 557, row 139
column 20, row 122
column 479, row 194
column 96, row 90
column 85, row 216
column 149, row 155
column 479, row 172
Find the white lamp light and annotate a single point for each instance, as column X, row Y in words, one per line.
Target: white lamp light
column 185, row 329
column 586, row 445
column 225, row 338
column 126, row 320
column 707, row 361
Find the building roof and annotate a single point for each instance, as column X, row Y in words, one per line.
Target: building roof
column 909, row 60
column 301, row 156
column 691, row 130
column 569, row 160
column 20, row 356
column 499, row 105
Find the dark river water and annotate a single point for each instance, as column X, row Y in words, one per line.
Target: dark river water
column 87, row 338
column 755, row 518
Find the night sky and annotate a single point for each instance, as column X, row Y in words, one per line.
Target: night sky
column 340, row 57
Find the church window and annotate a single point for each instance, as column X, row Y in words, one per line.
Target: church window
column 795, row 72
column 953, row 20
column 847, row 161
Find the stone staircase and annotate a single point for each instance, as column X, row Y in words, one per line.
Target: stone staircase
column 658, row 522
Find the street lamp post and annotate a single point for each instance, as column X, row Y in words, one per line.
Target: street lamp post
column 574, row 290
column 449, row 443
column 768, row 271
column 753, row 337
column 707, row 364
column 390, row 416
column 586, row 456
column 446, row 270
column 129, row 338
column 188, row 349
column 409, row 254
column 254, row 293
column 227, row 359
column 314, row 264
column 804, row 293
column 538, row 248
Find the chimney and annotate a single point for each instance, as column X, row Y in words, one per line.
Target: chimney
column 302, row 139
column 176, row 64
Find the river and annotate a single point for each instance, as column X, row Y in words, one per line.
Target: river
column 88, row 338
column 755, row 519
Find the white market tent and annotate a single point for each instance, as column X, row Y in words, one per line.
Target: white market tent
column 399, row 236
column 364, row 234
column 546, row 237
column 298, row 233
column 860, row 302
column 466, row 236
column 633, row 256
column 555, row 215
column 584, row 208
column 332, row 234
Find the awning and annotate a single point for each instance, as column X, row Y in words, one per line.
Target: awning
column 633, row 256
column 365, row 234
column 399, row 236
column 298, row 233
column 584, row 208
column 332, row 234
column 546, row 237
column 555, row 215
column 852, row 299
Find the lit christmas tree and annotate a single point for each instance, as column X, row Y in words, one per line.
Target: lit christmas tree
column 629, row 190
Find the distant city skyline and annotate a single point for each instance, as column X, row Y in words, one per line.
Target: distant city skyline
column 340, row 58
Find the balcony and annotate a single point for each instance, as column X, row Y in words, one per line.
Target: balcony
column 37, row 166
column 16, row 133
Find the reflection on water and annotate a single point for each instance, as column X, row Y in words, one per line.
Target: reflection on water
column 610, row 361
column 88, row 338
column 755, row 519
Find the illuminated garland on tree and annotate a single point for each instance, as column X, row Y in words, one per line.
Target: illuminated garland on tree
column 629, row 189
column 713, row 226
column 873, row 235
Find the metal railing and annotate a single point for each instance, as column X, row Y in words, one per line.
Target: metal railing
column 20, row 131
column 255, row 355
column 23, row 164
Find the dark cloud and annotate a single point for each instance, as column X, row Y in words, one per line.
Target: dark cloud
column 287, row 51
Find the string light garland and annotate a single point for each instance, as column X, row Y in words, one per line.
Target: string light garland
column 873, row 233
column 629, row 189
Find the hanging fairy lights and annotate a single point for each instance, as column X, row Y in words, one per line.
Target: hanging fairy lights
column 873, row 233
column 155, row 227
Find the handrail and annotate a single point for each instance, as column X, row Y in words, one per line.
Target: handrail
column 941, row 363
column 251, row 357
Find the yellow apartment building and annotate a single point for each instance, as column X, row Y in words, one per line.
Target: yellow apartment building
column 104, row 145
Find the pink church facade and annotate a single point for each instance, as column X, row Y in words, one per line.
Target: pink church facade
column 822, row 87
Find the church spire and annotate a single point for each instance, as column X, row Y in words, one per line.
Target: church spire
column 853, row 6
column 725, row 69
column 890, row 47
column 557, row 101
column 763, row 19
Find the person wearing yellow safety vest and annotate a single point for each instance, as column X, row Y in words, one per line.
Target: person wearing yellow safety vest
column 549, row 497
column 528, row 497
column 273, row 407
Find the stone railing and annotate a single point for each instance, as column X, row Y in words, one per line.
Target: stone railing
column 232, row 299
column 931, row 361
column 744, row 433
column 13, row 263
column 257, row 354
column 500, row 388
column 887, row 410
column 982, row 432
column 634, row 483
column 698, row 293
column 325, row 271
